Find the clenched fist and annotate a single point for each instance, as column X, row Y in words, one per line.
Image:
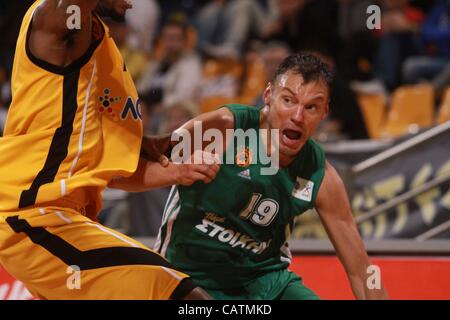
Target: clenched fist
column 201, row 166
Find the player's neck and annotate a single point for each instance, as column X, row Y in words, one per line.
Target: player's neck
column 271, row 143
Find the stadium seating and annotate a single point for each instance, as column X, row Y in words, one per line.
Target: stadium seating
column 373, row 110
column 411, row 109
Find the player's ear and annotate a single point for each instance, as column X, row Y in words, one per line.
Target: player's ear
column 267, row 94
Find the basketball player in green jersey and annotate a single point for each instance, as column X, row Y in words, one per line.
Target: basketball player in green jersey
column 231, row 235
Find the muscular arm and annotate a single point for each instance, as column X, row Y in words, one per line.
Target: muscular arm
column 335, row 212
column 155, row 170
column 151, row 175
column 221, row 119
column 51, row 40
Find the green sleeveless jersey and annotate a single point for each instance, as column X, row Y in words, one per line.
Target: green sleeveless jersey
column 235, row 229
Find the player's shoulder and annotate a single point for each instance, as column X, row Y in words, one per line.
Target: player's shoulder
column 242, row 108
column 332, row 185
column 53, row 16
column 41, row 21
column 221, row 118
column 243, row 116
column 315, row 153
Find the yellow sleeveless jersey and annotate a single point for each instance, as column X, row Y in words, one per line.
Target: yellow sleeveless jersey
column 69, row 129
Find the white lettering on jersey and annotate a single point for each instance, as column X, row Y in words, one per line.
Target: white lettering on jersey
column 233, row 238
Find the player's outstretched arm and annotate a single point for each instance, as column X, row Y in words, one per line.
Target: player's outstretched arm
column 159, row 148
column 156, row 171
column 151, row 175
column 335, row 212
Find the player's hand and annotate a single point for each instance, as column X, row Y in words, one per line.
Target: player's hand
column 202, row 166
column 153, row 149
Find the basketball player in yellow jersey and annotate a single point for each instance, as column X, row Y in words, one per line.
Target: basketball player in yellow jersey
column 73, row 128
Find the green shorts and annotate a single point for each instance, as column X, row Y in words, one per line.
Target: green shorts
column 275, row 285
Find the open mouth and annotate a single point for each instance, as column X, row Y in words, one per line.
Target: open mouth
column 291, row 138
column 292, row 134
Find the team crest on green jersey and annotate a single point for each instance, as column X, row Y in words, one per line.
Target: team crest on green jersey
column 303, row 189
column 244, row 157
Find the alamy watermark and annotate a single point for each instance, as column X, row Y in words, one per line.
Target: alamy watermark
column 73, row 281
column 374, row 279
column 73, row 22
column 374, row 19
column 243, row 147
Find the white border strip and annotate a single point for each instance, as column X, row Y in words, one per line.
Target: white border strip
column 113, row 234
column 400, row 148
column 83, row 123
column 62, row 184
column 63, row 217
column 172, row 273
column 169, row 231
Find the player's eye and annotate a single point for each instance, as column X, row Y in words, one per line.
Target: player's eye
column 288, row 100
column 312, row 107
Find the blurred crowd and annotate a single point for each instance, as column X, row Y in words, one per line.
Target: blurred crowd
column 191, row 56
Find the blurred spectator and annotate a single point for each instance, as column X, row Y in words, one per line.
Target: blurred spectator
column 356, row 42
column 189, row 8
column 305, row 25
column 177, row 115
column 135, row 60
column 176, row 76
column 225, row 26
column 143, row 20
column 436, row 36
column 150, row 110
column 345, row 120
column 352, row 17
column 399, row 40
column 271, row 55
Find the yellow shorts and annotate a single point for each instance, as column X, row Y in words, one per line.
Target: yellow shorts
column 60, row 254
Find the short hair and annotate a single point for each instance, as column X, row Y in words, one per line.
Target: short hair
column 308, row 65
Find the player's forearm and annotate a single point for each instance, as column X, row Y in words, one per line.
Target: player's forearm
column 153, row 147
column 365, row 283
column 363, row 290
column 353, row 256
column 149, row 175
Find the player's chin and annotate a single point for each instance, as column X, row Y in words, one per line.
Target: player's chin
column 290, row 151
column 291, row 147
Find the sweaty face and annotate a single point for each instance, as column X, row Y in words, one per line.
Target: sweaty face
column 296, row 109
column 173, row 39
